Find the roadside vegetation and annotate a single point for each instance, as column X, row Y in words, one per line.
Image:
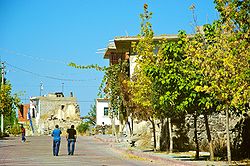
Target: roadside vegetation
column 87, row 127
column 200, row 74
column 8, row 105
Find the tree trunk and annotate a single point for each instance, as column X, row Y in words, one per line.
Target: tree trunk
column 132, row 125
column 113, row 124
column 196, row 136
column 2, row 123
column 154, row 134
column 2, row 84
column 121, row 128
column 114, row 129
column 130, row 129
column 170, row 136
column 209, row 138
column 228, row 137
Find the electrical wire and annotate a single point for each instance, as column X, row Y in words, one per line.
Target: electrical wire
column 50, row 77
column 53, row 86
column 78, row 101
column 32, row 57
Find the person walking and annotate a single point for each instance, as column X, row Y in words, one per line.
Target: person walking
column 71, row 137
column 103, row 128
column 56, row 134
column 23, row 133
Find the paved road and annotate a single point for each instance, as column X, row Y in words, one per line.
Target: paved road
column 37, row 151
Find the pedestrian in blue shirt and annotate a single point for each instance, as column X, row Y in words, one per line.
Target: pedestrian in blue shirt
column 56, row 140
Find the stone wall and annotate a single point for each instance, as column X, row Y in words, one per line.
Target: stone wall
column 46, row 127
column 183, row 132
column 217, row 125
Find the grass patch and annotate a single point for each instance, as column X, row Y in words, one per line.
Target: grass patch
column 134, row 157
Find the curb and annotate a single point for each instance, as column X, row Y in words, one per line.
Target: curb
column 140, row 154
column 157, row 158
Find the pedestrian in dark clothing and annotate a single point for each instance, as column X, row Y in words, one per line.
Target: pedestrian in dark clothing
column 56, row 140
column 103, row 128
column 71, row 137
column 23, row 133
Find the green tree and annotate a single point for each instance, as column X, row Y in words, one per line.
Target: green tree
column 174, row 79
column 165, row 77
column 223, row 60
column 113, row 88
column 236, row 13
column 91, row 117
column 113, row 84
column 83, row 127
column 8, row 104
column 141, row 85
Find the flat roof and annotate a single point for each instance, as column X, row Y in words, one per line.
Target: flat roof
column 136, row 38
column 102, row 99
column 123, row 43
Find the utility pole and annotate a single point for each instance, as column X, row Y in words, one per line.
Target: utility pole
column 41, row 88
column 2, row 84
column 62, row 87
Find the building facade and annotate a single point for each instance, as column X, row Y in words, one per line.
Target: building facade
column 23, row 113
column 54, row 108
column 121, row 49
column 103, row 114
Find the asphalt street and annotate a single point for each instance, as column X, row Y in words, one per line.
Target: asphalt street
column 37, row 151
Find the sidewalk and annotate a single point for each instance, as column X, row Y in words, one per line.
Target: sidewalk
column 173, row 159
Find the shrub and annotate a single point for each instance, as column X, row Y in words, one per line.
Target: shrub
column 15, row 129
column 82, row 128
column 3, row 134
column 220, row 148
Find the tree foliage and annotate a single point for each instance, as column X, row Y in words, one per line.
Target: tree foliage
column 91, row 117
column 223, row 60
column 221, row 56
column 140, row 84
column 93, row 66
column 8, row 102
column 83, row 127
column 199, row 74
column 236, row 13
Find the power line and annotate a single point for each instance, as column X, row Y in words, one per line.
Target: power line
column 78, row 101
column 50, row 77
column 32, row 57
column 52, row 86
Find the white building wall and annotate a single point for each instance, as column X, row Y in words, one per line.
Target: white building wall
column 132, row 59
column 100, row 117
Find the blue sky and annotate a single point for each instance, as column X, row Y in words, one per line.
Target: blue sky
column 38, row 38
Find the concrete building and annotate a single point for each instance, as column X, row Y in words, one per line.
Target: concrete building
column 121, row 49
column 103, row 114
column 23, row 113
column 55, row 108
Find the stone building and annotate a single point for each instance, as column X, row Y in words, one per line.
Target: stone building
column 54, row 108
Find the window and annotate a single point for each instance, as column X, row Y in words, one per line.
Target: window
column 106, row 111
column 21, row 110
